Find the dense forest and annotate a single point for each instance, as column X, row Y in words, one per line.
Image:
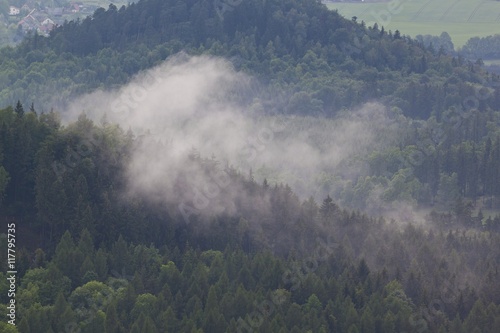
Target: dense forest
column 249, row 248
column 288, row 266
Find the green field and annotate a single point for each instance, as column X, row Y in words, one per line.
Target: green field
column 462, row 19
column 495, row 62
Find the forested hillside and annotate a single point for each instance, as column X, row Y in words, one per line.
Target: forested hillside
column 263, row 166
column 299, row 46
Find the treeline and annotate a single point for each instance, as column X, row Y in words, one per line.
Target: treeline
column 323, row 60
column 482, row 48
column 441, row 43
column 429, row 164
column 439, row 162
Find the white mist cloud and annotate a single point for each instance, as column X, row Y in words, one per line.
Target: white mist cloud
column 197, row 102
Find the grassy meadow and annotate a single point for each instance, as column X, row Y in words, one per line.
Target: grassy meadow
column 462, row 19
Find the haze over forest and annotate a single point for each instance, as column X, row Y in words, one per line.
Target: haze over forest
column 247, row 166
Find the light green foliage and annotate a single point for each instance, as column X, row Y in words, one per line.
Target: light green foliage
column 44, row 284
column 7, row 328
column 93, row 295
column 145, row 304
column 313, row 304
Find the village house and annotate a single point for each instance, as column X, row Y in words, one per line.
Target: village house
column 75, row 8
column 13, row 11
column 46, row 26
column 29, row 23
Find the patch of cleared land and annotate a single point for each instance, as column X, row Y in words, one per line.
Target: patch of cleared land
column 462, row 19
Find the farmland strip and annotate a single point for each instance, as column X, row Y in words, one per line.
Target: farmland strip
column 474, row 12
column 421, row 10
column 449, row 9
